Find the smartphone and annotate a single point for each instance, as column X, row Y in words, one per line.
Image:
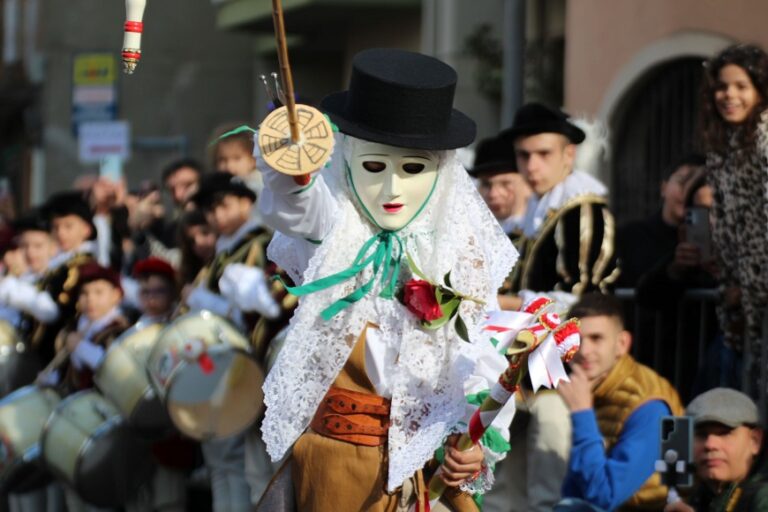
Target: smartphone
column 697, row 230
column 676, row 449
column 111, row 168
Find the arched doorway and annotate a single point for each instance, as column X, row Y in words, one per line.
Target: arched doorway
column 654, row 125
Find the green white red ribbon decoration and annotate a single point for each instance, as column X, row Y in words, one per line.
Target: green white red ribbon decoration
column 534, row 335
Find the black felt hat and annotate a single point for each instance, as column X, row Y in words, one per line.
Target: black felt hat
column 402, row 99
column 218, row 184
column 492, row 156
column 69, row 203
column 33, row 220
column 535, row 118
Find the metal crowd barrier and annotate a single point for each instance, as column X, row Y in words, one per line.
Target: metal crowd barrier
column 673, row 342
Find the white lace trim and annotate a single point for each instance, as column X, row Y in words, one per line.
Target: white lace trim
column 455, row 232
column 578, row 183
column 480, row 485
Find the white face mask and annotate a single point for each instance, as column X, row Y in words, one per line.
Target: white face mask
column 392, row 183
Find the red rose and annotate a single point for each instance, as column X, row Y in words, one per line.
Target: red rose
column 421, row 301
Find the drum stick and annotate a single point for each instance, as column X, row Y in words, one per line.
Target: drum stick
column 182, row 308
column 57, row 362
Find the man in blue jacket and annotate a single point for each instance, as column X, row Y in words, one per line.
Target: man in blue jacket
column 616, row 406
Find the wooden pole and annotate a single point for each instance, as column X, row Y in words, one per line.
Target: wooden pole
column 285, row 69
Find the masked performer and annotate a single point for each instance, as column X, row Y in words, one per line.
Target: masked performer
column 369, row 383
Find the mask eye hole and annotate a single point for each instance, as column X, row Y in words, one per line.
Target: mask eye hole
column 413, row 168
column 374, row 166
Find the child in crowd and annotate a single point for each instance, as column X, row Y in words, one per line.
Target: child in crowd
column 734, row 129
column 232, row 152
column 99, row 322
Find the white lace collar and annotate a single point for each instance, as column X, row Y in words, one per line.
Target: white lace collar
column 90, row 329
column 61, row 258
column 578, row 183
column 225, row 243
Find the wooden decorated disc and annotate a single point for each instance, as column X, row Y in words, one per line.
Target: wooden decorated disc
column 312, row 151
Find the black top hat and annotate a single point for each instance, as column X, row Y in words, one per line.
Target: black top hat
column 403, row 99
column 34, row 220
column 70, row 203
column 535, row 118
column 493, row 155
column 218, row 184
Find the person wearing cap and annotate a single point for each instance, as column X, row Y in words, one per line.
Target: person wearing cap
column 158, row 289
column 728, row 453
column 616, row 406
column 174, row 455
column 100, row 320
column 568, row 233
column 366, row 389
column 236, row 284
column 503, row 189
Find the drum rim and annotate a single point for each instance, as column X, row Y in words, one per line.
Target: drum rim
column 172, row 378
column 206, row 314
column 101, row 430
column 35, row 450
column 28, row 390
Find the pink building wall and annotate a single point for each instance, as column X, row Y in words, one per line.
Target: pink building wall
column 609, row 41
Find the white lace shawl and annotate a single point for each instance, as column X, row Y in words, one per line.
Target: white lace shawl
column 455, row 232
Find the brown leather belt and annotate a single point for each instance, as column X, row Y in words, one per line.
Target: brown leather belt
column 356, row 418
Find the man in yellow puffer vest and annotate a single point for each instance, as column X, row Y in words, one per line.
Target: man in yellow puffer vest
column 616, row 408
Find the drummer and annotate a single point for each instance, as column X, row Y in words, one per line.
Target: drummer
column 158, row 289
column 100, row 321
column 35, row 248
column 175, row 456
column 51, row 303
column 236, row 286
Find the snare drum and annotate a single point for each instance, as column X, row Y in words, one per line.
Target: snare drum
column 23, row 414
column 204, row 371
column 87, row 444
column 18, row 365
column 122, row 378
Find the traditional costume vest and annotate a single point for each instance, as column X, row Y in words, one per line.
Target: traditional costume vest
column 60, row 283
column 573, row 251
column 628, row 386
column 340, row 463
column 80, row 379
column 251, row 250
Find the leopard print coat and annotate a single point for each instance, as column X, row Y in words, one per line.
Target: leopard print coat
column 739, row 178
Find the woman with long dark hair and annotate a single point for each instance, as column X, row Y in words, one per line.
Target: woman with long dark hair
column 734, row 130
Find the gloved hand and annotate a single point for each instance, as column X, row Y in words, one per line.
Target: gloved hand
column 248, row 288
column 87, row 354
column 201, row 298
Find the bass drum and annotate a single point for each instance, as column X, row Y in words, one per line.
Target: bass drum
column 19, row 366
column 122, row 378
column 210, row 382
column 87, row 444
column 23, row 414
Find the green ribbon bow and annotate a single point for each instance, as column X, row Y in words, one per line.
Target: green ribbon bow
column 383, row 252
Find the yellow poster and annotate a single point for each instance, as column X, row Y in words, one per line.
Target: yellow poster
column 95, row 69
